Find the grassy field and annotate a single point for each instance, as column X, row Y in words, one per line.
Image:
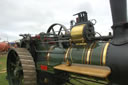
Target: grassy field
column 3, row 80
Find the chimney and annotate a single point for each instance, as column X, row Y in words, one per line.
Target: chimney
column 120, row 25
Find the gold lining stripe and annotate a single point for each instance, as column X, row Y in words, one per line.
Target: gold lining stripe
column 81, row 43
column 83, row 55
column 105, row 53
column 101, row 54
column 86, row 52
column 48, row 55
column 71, row 54
column 92, row 51
column 66, row 55
column 89, row 52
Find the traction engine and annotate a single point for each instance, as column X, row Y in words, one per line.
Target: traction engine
column 75, row 56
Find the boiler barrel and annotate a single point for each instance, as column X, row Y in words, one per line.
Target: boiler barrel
column 93, row 53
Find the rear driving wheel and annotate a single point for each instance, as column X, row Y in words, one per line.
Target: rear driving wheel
column 21, row 67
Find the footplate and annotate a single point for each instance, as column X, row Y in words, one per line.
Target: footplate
column 90, row 70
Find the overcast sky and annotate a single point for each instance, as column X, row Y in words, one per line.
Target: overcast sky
column 35, row 16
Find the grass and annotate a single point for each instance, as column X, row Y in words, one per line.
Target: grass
column 3, row 80
column 3, row 74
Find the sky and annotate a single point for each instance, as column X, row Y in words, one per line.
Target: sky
column 35, row 16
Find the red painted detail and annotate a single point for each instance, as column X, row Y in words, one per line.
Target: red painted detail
column 38, row 37
column 44, row 67
column 47, row 39
column 51, row 41
column 77, row 19
column 33, row 37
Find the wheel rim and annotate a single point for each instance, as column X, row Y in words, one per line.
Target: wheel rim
column 14, row 69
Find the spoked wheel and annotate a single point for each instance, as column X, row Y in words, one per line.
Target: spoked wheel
column 53, row 29
column 21, row 67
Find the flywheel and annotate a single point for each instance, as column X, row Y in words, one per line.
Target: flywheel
column 21, row 68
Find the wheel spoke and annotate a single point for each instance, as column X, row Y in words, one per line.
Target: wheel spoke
column 60, row 30
column 53, row 31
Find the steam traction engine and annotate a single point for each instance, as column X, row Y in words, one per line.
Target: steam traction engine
column 74, row 57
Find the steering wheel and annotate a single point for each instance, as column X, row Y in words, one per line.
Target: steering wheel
column 62, row 29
